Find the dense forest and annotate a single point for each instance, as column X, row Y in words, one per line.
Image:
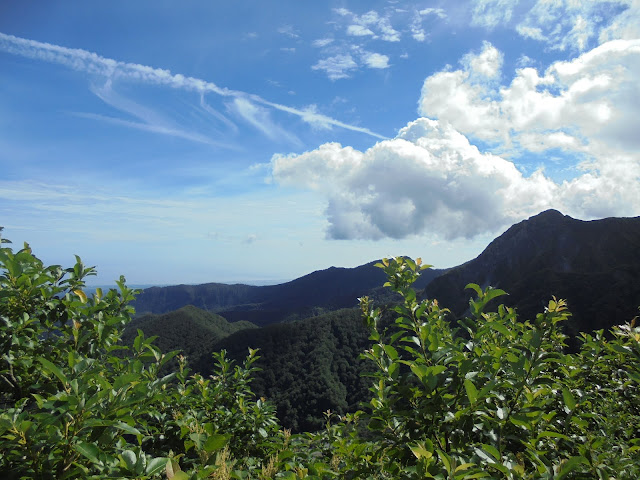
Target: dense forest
column 491, row 395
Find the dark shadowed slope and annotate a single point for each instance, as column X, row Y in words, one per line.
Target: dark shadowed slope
column 594, row 265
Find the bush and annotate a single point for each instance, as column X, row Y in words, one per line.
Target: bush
column 495, row 397
column 77, row 404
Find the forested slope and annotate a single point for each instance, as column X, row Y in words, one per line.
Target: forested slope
column 308, row 367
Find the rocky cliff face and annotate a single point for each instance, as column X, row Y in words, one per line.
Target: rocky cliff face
column 594, row 265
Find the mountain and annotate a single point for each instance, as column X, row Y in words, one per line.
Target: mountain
column 189, row 329
column 313, row 294
column 312, row 364
column 594, row 265
column 307, row 367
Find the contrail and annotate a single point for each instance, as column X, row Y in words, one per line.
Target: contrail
column 89, row 62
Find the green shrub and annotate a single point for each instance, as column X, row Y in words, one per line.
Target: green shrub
column 495, row 397
column 77, row 404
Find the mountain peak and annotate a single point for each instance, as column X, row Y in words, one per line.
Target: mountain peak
column 549, row 214
column 555, row 254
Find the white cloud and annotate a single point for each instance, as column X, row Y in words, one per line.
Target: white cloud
column 336, row 67
column 388, row 33
column 370, row 24
column 376, row 60
column 288, row 49
column 592, row 98
column 259, row 117
column 562, row 24
column 106, row 68
column 431, row 178
column 491, row 13
column 322, row 42
column 428, row 178
column 625, row 26
column 487, row 63
column 438, row 12
column 418, row 34
column 289, row 31
column 359, row 31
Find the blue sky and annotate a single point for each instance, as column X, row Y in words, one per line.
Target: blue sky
column 259, row 141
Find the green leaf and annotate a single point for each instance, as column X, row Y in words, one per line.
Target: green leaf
column 491, row 293
column 497, row 326
column 550, row 434
column 491, row 450
column 570, row 465
column 420, row 451
column 472, row 391
column 127, row 428
column 475, row 287
column 216, row 442
column 391, row 352
column 568, row 398
column 445, row 459
column 155, row 465
column 89, row 450
column 129, row 458
column 172, row 468
column 51, row 368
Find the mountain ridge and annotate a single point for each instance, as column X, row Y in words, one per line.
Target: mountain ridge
column 312, row 294
column 554, row 254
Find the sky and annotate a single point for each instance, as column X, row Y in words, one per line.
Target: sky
column 207, row 141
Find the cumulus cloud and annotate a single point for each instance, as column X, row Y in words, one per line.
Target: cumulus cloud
column 592, row 98
column 432, row 178
column 487, row 63
column 428, row 178
column 376, row 60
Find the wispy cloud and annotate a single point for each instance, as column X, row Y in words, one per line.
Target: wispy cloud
column 259, row 117
column 164, row 130
column 107, row 68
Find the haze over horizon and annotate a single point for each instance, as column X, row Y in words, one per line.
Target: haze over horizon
column 208, row 142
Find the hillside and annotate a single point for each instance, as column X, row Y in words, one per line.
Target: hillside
column 310, row 295
column 189, row 329
column 594, row 265
column 308, row 367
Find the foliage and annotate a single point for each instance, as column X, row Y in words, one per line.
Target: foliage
column 495, row 397
column 499, row 398
column 75, row 406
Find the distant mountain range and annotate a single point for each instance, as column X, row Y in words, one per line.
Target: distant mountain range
column 311, row 333
column 594, row 265
column 313, row 294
